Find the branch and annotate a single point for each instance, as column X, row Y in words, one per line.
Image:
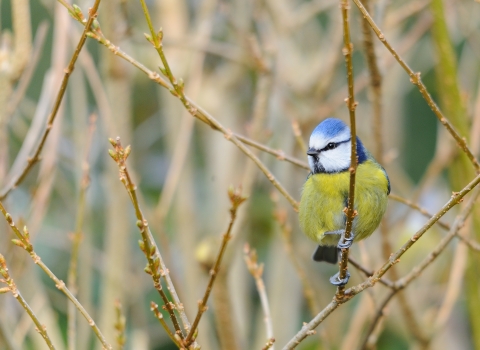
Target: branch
column 155, row 265
column 456, row 226
column 236, row 200
column 416, row 80
column 196, row 111
column 23, row 241
column 250, row 257
column 205, row 117
column 159, row 317
column 31, row 161
column 369, row 273
column 309, row 328
column 376, row 88
column 468, row 241
column 418, row 208
column 352, row 105
column 12, row 288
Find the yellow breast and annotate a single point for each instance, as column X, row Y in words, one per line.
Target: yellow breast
column 324, row 197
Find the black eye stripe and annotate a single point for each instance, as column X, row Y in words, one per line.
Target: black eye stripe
column 333, row 145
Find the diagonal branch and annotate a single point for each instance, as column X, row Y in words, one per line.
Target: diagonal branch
column 12, row 288
column 309, row 328
column 456, row 226
column 199, row 113
column 416, row 271
column 416, row 80
column 23, row 241
column 236, row 199
column 31, row 161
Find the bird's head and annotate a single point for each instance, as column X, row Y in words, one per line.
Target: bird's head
column 330, row 147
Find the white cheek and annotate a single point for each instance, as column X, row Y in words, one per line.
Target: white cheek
column 336, row 159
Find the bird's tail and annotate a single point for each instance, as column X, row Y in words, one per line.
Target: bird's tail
column 326, row 253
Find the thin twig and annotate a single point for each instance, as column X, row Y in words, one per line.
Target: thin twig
column 375, row 86
column 309, row 328
column 456, row 226
column 23, row 241
column 250, row 257
column 468, row 241
column 236, row 199
column 32, row 160
column 361, row 82
column 12, row 288
column 270, row 344
column 418, row 208
column 386, row 282
column 178, row 91
column 159, row 317
column 416, row 80
column 298, row 136
column 350, row 212
column 155, row 265
column 277, row 153
column 204, row 116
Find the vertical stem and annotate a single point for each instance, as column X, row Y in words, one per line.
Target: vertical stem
column 351, row 104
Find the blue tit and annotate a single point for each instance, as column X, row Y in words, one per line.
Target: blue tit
column 325, row 193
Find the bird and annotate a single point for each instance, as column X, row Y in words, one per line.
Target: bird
column 325, row 192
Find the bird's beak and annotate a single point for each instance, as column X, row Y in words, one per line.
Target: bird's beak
column 312, row 152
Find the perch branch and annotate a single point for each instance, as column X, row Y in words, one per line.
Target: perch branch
column 350, row 212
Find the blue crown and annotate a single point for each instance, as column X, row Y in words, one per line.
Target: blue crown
column 330, row 127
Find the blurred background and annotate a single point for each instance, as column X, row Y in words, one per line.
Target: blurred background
column 270, row 70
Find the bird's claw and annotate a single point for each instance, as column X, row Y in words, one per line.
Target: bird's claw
column 345, row 243
column 336, row 281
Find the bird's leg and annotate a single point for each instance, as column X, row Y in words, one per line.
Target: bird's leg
column 336, row 281
column 345, row 243
column 336, row 232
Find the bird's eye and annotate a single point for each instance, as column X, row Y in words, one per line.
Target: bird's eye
column 331, row 145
